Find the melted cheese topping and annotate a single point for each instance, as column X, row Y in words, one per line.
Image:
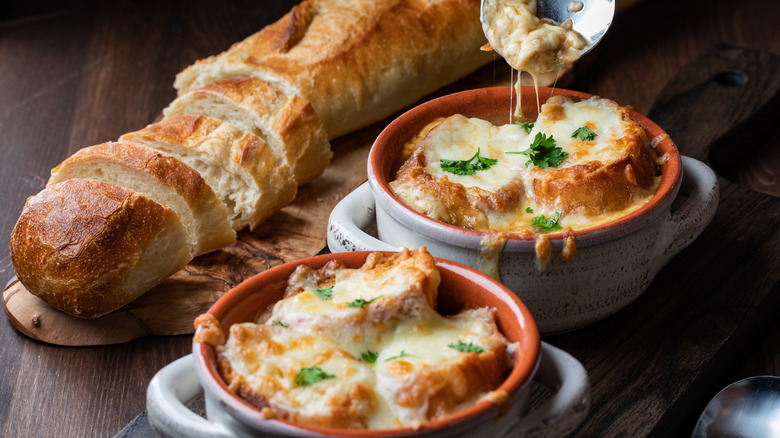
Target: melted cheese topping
column 617, row 139
column 415, row 376
column 458, row 138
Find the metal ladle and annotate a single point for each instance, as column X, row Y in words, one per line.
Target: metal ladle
column 591, row 21
column 749, row 408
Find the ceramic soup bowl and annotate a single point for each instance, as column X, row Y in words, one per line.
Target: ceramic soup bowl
column 461, row 287
column 615, row 262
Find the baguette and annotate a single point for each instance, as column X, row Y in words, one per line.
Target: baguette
column 88, row 247
column 254, row 123
column 241, row 168
column 287, row 123
column 165, row 180
column 356, row 61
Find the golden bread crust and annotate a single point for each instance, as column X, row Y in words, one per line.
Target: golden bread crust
column 466, row 206
column 352, row 59
column 441, row 388
column 596, row 187
column 207, row 140
column 288, row 123
column 346, row 403
column 204, row 216
column 80, row 246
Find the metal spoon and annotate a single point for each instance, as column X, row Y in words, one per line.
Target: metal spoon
column 591, row 21
column 745, row 409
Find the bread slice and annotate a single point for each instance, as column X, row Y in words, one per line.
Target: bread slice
column 88, row 247
column 287, row 123
column 165, row 180
column 241, row 168
column 369, row 300
column 356, row 61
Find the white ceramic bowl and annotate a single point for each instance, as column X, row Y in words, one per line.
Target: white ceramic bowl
column 461, row 287
column 615, row 262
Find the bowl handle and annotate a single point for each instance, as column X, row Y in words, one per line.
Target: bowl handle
column 561, row 414
column 690, row 218
column 349, row 218
column 168, row 390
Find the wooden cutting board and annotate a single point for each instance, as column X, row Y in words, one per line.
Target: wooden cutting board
column 298, row 231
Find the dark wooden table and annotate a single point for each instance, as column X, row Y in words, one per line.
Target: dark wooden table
column 81, row 73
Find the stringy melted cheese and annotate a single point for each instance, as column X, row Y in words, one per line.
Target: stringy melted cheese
column 527, row 42
column 416, row 378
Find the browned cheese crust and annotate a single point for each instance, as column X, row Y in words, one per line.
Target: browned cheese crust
column 596, row 187
column 467, row 206
column 348, row 410
column 87, row 247
column 442, row 388
column 420, row 268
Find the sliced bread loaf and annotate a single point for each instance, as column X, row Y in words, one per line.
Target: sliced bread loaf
column 287, row 123
column 241, row 168
column 164, row 179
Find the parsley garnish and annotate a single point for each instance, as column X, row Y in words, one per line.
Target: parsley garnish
column 307, row 376
column 466, row 348
column 545, row 225
column 466, row 167
column 529, row 210
column 279, row 323
column 584, row 133
column 543, row 152
column 369, row 356
column 325, row 294
column 360, row 302
column 400, row 355
column 527, row 126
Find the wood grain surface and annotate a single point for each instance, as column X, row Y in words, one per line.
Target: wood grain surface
column 77, row 74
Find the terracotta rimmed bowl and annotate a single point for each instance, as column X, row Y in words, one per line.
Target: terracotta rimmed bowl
column 615, row 262
column 461, row 288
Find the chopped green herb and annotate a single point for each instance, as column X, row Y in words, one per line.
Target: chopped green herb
column 369, row 356
column 527, row 126
column 584, row 133
column 307, row 376
column 467, row 167
column 543, row 152
column 400, row 355
column 279, row 323
column 466, row 348
column 325, row 294
column 529, row 210
column 545, row 225
column 360, row 302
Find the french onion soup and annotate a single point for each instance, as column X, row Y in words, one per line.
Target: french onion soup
column 579, row 164
column 362, row 348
